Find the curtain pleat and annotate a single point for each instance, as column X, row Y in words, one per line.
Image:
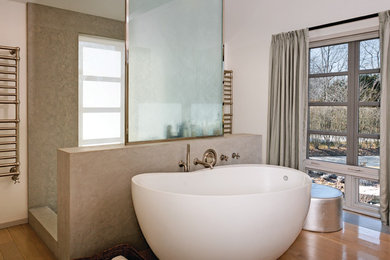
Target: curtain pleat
column 384, row 175
column 287, row 113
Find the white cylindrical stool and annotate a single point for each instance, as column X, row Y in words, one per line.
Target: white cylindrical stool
column 326, row 209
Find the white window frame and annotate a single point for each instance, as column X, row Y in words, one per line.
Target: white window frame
column 101, row 43
column 351, row 173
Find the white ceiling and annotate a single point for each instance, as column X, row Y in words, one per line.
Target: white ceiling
column 113, row 9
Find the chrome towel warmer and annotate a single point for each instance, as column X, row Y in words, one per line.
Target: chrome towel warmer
column 228, row 102
column 9, row 112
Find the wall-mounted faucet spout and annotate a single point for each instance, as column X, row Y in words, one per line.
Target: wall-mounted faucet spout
column 205, row 164
column 187, row 163
column 209, row 159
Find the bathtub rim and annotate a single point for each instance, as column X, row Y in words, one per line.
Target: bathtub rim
column 306, row 182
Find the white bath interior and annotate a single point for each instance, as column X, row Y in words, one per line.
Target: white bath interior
column 230, row 212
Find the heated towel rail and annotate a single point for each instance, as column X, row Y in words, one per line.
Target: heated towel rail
column 9, row 112
column 228, row 102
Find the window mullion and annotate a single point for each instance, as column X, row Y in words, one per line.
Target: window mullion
column 327, row 104
column 350, row 110
column 329, row 74
column 356, row 91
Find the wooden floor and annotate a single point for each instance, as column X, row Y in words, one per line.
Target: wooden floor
column 21, row 243
column 353, row 242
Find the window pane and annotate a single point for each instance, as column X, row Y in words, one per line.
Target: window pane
column 370, row 87
column 327, row 118
column 368, row 155
column 369, row 54
column 333, row 58
column 101, row 94
column 328, row 148
column 101, row 62
column 101, row 125
column 369, row 120
column 369, row 192
column 328, row 89
column 329, row 179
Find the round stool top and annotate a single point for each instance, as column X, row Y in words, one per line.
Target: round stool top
column 324, row 192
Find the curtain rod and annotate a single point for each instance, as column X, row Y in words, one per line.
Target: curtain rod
column 343, row 22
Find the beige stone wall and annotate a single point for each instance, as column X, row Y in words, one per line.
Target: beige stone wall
column 95, row 209
column 52, row 37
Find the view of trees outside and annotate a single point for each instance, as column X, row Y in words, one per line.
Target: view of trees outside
column 328, row 113
column 369, row 54
column 368, row 189
column 327, row 59
column 369, row 192
column 329, row 179
column 330, row 92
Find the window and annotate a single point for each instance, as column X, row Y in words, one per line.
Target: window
column 343, row 119
column 101, row 91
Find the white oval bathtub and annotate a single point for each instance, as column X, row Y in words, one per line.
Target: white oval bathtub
column 236, row 212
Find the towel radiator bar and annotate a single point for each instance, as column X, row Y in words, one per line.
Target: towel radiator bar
column 228, row 102
column 9, row 111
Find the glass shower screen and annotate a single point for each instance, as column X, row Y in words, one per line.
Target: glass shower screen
column 175, row 69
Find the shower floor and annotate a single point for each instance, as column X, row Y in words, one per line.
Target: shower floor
column 44, row 222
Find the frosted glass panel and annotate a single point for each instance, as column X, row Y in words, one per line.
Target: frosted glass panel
column 101, row 94
column 175, row 69
column 101, row 125
column 101, row 63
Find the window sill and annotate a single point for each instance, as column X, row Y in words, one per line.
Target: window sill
column 356, row 171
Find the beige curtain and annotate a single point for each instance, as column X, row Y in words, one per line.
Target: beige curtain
column 384, row 175
column 287, row 115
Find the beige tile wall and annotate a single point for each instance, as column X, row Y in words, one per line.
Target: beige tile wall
column 52, row 78
column 95, row 209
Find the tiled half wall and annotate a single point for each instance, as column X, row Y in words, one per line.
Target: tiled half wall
column 95, row 209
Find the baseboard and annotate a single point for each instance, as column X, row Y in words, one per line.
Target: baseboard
column 13, row 223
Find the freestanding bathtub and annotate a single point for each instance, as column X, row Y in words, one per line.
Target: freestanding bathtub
column 236, row 212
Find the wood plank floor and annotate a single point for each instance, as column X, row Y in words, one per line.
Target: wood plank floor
column 21, row 243
column 353, row 242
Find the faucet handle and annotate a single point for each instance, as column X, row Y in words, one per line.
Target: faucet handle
column 236, row 156
column 224, row 157
column 182, row 164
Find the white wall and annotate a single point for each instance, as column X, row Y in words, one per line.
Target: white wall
column 249, row 25
column 13, row 197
